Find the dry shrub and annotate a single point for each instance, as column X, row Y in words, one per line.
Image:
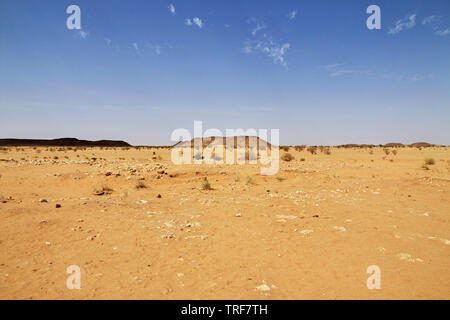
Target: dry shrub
column 141, row 185
column 429, row 161
column 312, row 150
column 300, row 148
column 394, row 152
column 386, row 151
column 250, row 180
column 287, row 157
column 205, row 184
column 285, row 149
column 326, row 151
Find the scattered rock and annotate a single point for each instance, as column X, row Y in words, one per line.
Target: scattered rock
column 341, row 229
column 58, row 206
column 264, row 287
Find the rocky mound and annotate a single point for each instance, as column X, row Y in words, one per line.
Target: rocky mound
column 243, row 141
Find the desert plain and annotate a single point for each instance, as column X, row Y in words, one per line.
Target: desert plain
column 141, row 227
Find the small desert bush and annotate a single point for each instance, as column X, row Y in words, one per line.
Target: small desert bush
column 280, row 179
column 394, row 152
column 312, row 150
column 429, row 161
column 287, row 157
column 205, row 184
column 326, row 151
column 285, row 149
column 249, row 180
column 386, row 151
column 302, row 159
column 299, row 148
column 141, row 185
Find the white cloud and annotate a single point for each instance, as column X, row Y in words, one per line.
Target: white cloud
column 136, row 47
column 259, row 25
column 172, row 9
column 108, row 41
column 291, row 15
column 269, row 48
column 195, row 21
column 445, row 32
column 403, row 24
column 83, row 34
column 430, row 20
column 198, row 22
column 158, row 48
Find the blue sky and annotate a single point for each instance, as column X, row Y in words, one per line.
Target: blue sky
column 136, row 70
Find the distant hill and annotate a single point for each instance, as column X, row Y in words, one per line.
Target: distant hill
column 63, row 142
column 421, row 144
column 394, row 144
column 206, row 141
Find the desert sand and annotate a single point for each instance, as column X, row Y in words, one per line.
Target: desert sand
column 140, row 227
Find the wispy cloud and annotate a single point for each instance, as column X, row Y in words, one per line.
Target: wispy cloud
column 259, row 25
column 403, row 24
column 269, row 48
column 136, row 47
column 291, row 15
column 198, row 22
column 108, row 41
column 435, row 22
column 445, row 32
column 337, row 69
column 341, row 69
column 430, row 20
column 158, row 48
column 264, row 44
column 195, row 21
column 83, row 34
column 172, row 9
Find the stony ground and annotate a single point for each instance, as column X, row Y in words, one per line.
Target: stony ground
column 140, row 227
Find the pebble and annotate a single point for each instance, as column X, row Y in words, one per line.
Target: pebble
column 263, row 287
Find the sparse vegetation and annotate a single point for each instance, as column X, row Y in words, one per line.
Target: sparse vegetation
column 205, row 184
column 249, row 180
column 312, row 150
column 326, row 151
column 386, row 151
column 429, row 161
column 141, row 184
column 394, row 152
column 280, row 179
column 287, row 157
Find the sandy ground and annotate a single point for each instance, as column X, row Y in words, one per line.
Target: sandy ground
column 309, row 232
